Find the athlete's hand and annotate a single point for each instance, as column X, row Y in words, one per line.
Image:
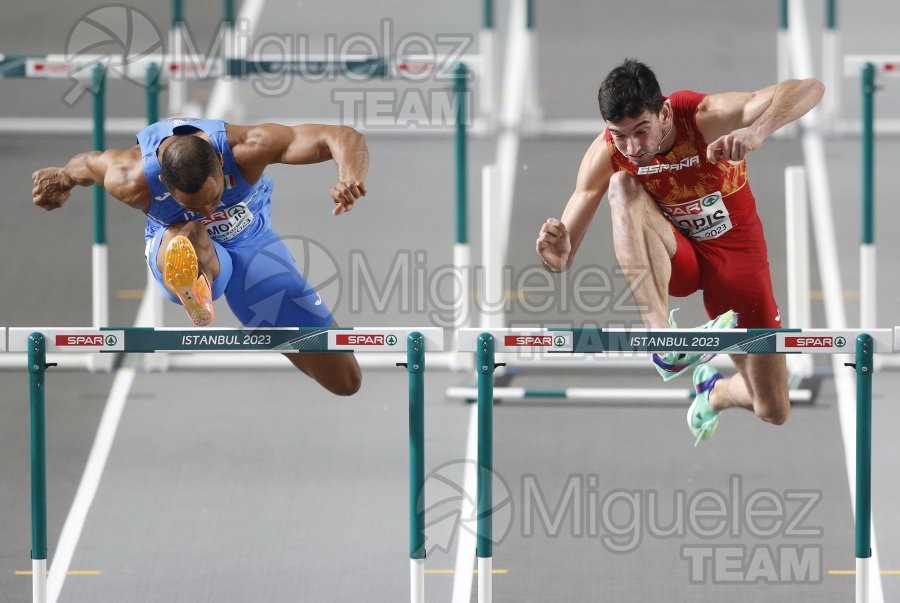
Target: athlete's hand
column 733, row 146
column 51, row 187
column 344, row 194
column 554, row 245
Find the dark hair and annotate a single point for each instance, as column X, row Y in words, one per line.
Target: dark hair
column 629, row 90
column 187, row 162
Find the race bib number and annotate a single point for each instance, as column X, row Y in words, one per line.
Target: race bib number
column 228, row 222
column 702, row 219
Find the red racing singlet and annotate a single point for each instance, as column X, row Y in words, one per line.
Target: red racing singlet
column 703, row 200
column 720, row 247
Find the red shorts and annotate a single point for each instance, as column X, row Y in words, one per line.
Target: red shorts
column 732, row 271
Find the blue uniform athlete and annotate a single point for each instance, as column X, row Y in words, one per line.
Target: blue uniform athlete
column 207, row 201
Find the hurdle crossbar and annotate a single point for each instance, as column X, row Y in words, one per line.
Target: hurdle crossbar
column 35, row 341
column 280, row 339
column 862, row 344
column 724, row 341
column 597, row 394
column 201, row 67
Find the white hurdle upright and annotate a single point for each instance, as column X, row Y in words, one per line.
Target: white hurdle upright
column 487, row 344
column 36, row 341
column 799, row 307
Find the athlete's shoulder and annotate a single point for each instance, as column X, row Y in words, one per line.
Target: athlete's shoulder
column 236, row 132
column 603, row 145
column 686, row 100
column 597, row 163
column 124, row 176
column 244, row 141
column 123, row 160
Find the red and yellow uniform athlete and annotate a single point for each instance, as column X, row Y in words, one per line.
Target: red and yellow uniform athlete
column 720, row 248
column 684, row 220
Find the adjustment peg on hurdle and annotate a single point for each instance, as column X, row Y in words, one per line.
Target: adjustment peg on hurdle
column 851, row 365
column 406, row 365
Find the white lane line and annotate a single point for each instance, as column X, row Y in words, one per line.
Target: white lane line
column 829, row 268
column 465, row 541
column 511, row 116
column 93, row 471
column 115, row 404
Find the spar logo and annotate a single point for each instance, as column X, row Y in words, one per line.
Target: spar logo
column 536, row 341
column 359, row 339
column 84, row 340
column 809, row 342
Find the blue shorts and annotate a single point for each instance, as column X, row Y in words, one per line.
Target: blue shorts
column 260, row 280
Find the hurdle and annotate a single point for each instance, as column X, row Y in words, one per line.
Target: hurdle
column 834, row 66
column 491, row 346
column 869, row 68
column 95, row 74
column 231, row 45
column 37, row 341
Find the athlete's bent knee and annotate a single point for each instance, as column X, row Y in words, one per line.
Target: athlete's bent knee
column 623, row 187
column 348, row 383
column 776, row 415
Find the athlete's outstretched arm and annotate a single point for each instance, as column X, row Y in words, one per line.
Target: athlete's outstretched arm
column 265, row 144
column 559, row 239
column 114, row 169
column 736, row 123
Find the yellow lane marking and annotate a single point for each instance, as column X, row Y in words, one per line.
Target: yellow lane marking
column 847, row 294
column 69, row 573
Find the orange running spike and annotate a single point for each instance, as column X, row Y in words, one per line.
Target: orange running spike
column 182, row 276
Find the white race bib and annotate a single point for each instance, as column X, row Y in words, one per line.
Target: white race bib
column 229, row 222
column 702, row 219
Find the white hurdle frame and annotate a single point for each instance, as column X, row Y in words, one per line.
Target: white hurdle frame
column 799, row 306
